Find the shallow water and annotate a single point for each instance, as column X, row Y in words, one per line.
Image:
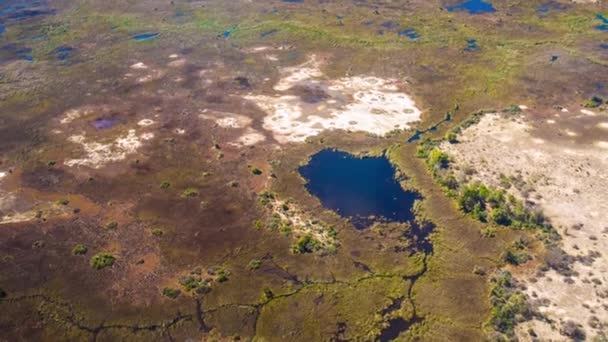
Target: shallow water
column 358, row 188
column 473, row 7
column 145, row 36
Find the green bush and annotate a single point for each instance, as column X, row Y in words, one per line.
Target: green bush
column 594, row 102
column 508, row 304
column 171, row 292
column 305, row 244
column 111, row 225
column 254, row 264
column 451, row 137
column 438, row 159
column 165, row 185
column 158, row 232
column 80, row 249
column 102, row 260
column 190, row 192
column 256, row 171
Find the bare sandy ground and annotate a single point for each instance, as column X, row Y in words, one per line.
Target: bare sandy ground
column 568, row 180
column 307, row 103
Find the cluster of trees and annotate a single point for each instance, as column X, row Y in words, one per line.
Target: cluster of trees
column 508, row 304
column 493, row 205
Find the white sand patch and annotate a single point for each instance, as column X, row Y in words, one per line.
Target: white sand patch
column 523, row 107
column 588, row 112
column 250, row 138
column 368, row 104
column 177, row 63
column 173, row 56
column 538, row 141
column 145, row 122
column 565, row 110
column 603, row 125
column 571, row 133
column 155, row 75
column 226, row 120
column 272, row 58
column 100, row 154
column 2, row 174
column 180, row 131
column 76, row 113
column 602, row 144
column 551, row 121
column 139, row 66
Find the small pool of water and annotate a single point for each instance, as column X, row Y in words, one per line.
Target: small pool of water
column 473, row 7
column 145, row 36
column 604, row 20
column 104, row 123
column 409, row 33
column 362, row 189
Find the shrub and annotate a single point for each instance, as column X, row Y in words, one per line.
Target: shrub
column 256, row 171
column 500, row 217
column 508, row 304
column 102, row 260
column 438, row 159
column 190, row 192
column 255, row 264
column 111, row 225
column 63, row 201
column 157, row 232
column 594, row 102
column 305, row 244
column 451, row 137
column 165, row 185
column 80, row 249
column 171, row 292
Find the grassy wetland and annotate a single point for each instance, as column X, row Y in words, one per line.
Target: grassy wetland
column 151, row 158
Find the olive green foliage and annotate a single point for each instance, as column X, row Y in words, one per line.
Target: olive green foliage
column 171, row 292
column 305, row 244
column 80, row 249
column 265, row 197
column 513, row 109
column 594, row 102
column 190, row 192
column 451, row 137
column 438, row 159
column 158, row 232
column 195, row 283
column 256, row 171
column 102, row 260
column 165, row 185
column 63, row 201
column 487, row 204
column 255, row 264
column 112, row 225
column 508, row 304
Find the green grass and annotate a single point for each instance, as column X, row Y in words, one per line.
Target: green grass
column 102, row 260
column 80, row 249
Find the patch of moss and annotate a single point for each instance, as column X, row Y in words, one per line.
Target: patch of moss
column 190, row 192
column 102, row 260
column 171, row 292
column 80, row 249
column 254, row 264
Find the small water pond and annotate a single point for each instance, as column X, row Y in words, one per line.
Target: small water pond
column 363, row 189
column 473, row 7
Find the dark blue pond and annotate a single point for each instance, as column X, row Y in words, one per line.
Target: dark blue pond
column 64, row 53
column 145, row 36
column 471, row 45
column 473, row 7
column 362, row 189
column 409, row 33
column 604, row 20
column 104, row 123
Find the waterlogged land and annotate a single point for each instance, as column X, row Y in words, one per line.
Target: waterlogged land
column 151, row 158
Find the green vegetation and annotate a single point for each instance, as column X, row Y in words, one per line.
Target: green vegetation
column 254, row 264
column 451, row 137
column 194, row 283
column 513, row 109
column 171, row 292
column 508, row 304
column 165, row 185
column 63, row 201
column 256, row 171
column 190, row 192
column 111, row 225
column 305, row 244
column 594, row 102
column 102, row 260
column 438, row 159
column 265, row 197
column 80, row 249
column 158, row 232
column 487, row 204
